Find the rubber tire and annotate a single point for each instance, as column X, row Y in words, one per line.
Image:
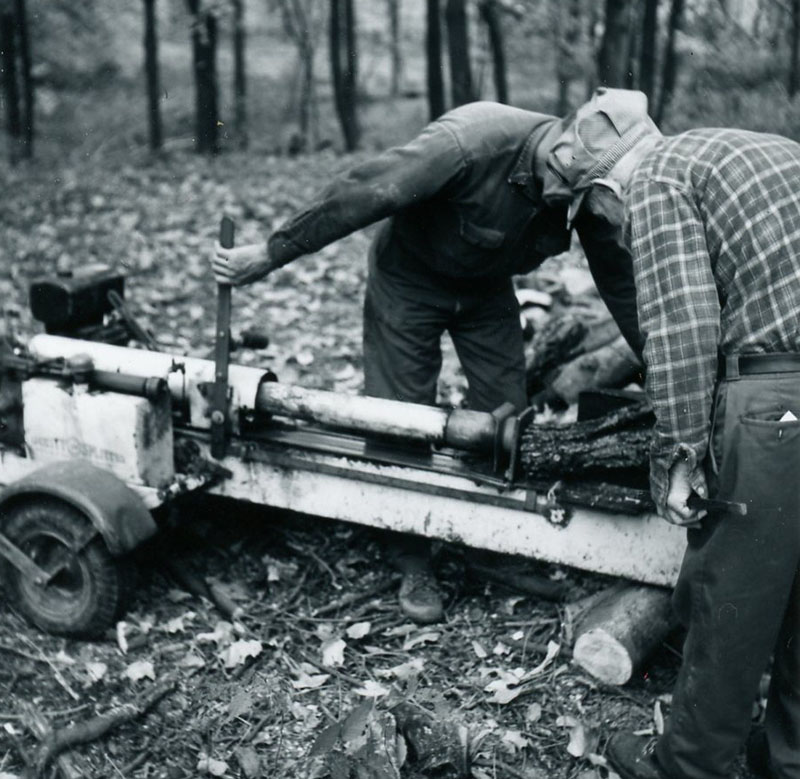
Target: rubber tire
column 85, row 599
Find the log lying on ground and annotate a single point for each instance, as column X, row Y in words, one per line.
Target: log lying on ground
column 620, row 439
column 619, row 631
column 612, row 365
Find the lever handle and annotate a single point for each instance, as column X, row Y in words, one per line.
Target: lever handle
column 226, row 232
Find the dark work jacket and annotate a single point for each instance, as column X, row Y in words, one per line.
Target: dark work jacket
column 465, row 206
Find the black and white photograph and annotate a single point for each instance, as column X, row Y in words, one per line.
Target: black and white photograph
column 400, row 389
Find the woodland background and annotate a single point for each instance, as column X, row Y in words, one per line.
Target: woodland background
column 129, row 128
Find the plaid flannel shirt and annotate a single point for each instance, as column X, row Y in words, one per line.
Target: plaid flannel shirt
column 713, row 223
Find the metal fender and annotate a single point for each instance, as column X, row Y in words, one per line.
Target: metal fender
column 116, row 511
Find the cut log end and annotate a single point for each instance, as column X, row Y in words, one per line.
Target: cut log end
column 603, row 656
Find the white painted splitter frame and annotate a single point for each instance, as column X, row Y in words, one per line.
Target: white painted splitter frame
column 644, row 547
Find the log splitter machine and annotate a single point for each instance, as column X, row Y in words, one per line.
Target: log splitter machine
column 94, row 434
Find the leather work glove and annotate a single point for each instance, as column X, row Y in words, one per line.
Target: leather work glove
column 242, row 264
column 680, row 488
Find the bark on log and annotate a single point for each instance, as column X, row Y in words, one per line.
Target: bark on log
column 612, row 365
column 620, row 631
column 617, row 440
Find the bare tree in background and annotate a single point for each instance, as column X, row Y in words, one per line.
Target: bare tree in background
column 458, row 49
column 670, row 61
column 613, row 57
column 490, row 14
column 344, row 68
column 239, row 75
column 396, row 73
column 15, row 77
column 8, row 62
column 433, row 50
column 647, row 49
column 302, row 20
column 794, row 48
column 204, row 61
column 26, row 78
column 151, row 75
column 566, row 24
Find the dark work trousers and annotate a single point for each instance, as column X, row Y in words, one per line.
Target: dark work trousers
column 739, row 589
column 405, row 316
column 406, row 312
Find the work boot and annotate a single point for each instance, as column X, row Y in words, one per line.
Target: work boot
column 757, row 753
column 420, row 599
column 633, row 757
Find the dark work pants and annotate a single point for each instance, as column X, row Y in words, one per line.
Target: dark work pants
column 406, row 312
column 739, row 590
column 405, row 316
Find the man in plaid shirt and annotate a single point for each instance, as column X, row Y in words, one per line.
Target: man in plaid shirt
column 712, row 218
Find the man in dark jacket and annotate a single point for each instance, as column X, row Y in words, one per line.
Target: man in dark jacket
column 465, row 214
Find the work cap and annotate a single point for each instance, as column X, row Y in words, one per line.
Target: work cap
column 598, row 136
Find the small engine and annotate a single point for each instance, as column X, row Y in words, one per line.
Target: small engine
column 82, row 304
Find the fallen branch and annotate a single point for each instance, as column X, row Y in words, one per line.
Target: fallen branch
column 94, row 728
column 38, row 724
column 530, row 584
column 200, row 588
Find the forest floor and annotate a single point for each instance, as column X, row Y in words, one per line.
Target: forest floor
column 318, row 635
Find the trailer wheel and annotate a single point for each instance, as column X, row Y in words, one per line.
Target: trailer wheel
column 89, row 590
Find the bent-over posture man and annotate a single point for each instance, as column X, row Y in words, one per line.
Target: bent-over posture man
column 712, row 218
column 466, row 213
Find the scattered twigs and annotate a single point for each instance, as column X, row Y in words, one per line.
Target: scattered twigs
column 58, row 675
column 94, row 728
column 318, row 560
column 354, row 597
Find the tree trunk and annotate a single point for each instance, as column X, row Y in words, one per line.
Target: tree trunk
column 20, row 12
column 633, row 36
column 670, row 61
column 396, row 76
column 204, row 52
column 458, row 50
column 647, row 51
column 344, row 68
column 491, row 18
column 8, row 62
column 612, row 59
column 239, row 76
column 151, row 74
column 433, row 50
column 567, row 27
column 794, row 61
column 621, row 630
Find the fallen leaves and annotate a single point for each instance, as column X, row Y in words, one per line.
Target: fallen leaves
column 140, row 669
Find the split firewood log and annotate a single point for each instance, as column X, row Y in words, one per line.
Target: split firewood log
column 620, row 439
column 619, row 631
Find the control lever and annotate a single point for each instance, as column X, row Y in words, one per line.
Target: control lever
column 222, row 350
